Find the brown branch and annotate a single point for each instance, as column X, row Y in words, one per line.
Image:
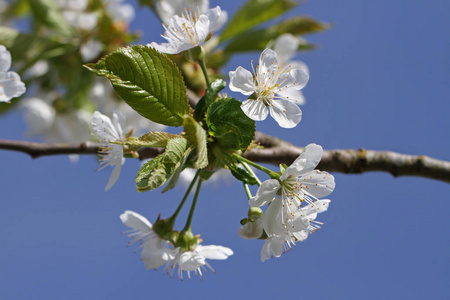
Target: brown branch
column 277, row 151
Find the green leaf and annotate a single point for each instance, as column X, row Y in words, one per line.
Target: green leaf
column 47, row 13
column 258, row 39
column 242, row 175
column 209, row 97
column 148, row 81
column 178, row 169
column 151, row 139
column 158, row 170
column 37, row 47
column 229, row 125
column 197, row 136
column 253, row 13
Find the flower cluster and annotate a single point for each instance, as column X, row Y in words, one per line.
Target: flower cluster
column 293, row 201
column 156, row 251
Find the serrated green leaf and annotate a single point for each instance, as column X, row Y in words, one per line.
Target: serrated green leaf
column 157, row 171
column 227, row 122
column 253, row 13
column 148, row 81
column 209, row 97
column 151, row 139
column 197, row 136
column 176, row 173
column 47, row 13
column 258, row 39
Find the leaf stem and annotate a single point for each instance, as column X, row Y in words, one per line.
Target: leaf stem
column 174, row 216
column 247, row 167
column 205, row 71
column 247, row 190
column 187, row 227
column 269, row 172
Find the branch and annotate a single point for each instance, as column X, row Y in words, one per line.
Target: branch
column 277, row 151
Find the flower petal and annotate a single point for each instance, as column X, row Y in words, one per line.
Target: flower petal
column 286, row 46
column 318, row 183
column 241, row 80
column 266, row 193
column 268, row 66
column 136, row 221
column 292, row 95
column 318, row 207
column 10, row 86
column 5, row 59
column 251, row 230
column 214, row 252
column 154, row 254
column 254, row 109
column 202, row 28
column 286, row 113
column 305, row 163
column 190, row 261
column 272, row 218
column 214, row 15
column 114, row 176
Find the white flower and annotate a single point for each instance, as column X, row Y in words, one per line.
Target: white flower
column 299, row 183
column 272, row 88
column 285, row 220
column 195, row 260
column 74, row 13
column 154, row 249
column 90, row 50
column 42, row 120
column 286, row 47
column 168, row 8
column 284, row 227
column 120, row 12
column 111, row 154
column 189, row 30
column 10, row 84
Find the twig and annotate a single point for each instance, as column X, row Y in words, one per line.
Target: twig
column 277, row 151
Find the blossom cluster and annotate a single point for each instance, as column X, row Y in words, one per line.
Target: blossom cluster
column 157, row 251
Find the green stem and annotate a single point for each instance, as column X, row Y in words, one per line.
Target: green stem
column 187, row 227
column 247, row 190
column 246, row 166
column 174, row 216
column 205, row 71
column 269, row 172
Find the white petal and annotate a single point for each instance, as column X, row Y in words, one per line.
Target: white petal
column 202, row 28
column 214, row 16
column 5, row 59
column 251, row 230
column 223, row 18
column 286, row 46
column 292, row 95
column 241, row 80
column 318, row 183
column 154, row 254
column 286, row 113
column 295, row 79
column 190, row 261
column 272, row 246
column 114, row 176
column 254, row 109
column 136, row 221
column 272, row 218
column 268, row 66
column 170, row 48
column 266, row 193
column 305, row 163
column 10, row 86
column 214, row 252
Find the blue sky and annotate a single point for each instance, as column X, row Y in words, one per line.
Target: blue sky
column 380, row 81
